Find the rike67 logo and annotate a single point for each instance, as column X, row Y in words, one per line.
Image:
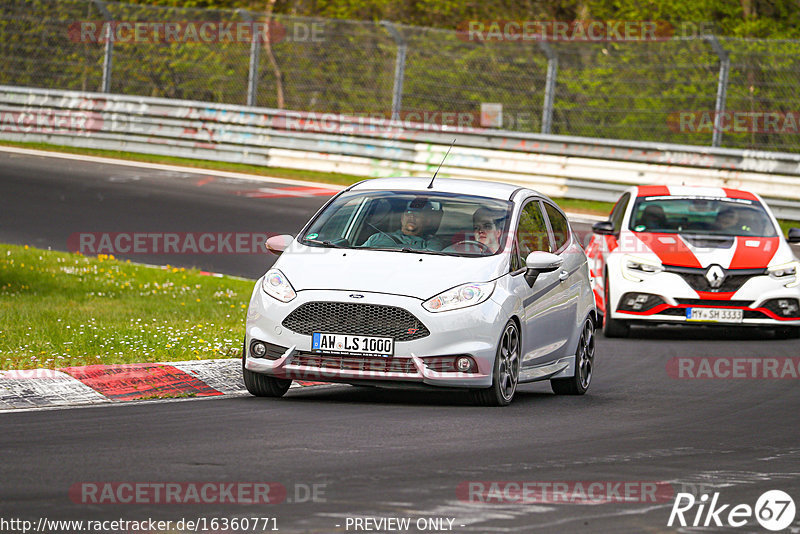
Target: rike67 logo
column 774, row 510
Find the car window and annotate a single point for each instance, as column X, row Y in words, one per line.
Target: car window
column 532, row 231
column 447, row 223
column 559, row 225
column 701, row 215
column 618, row 212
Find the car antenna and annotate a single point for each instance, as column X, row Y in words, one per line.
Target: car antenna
column 430, row 185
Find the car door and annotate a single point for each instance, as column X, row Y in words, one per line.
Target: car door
column 541, row 336
column 566, row 294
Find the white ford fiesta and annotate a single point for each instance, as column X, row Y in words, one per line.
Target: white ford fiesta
column 694, row 255
column 409, row 282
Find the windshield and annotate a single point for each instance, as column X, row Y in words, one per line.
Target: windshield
column 701, row 215
column 408, row 221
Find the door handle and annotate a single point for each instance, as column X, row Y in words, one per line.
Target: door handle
column 563, row 275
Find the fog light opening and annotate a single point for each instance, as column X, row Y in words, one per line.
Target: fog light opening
column 464, row 364
column 258, row 349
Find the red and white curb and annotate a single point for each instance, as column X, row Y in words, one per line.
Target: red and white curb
column 102, row 384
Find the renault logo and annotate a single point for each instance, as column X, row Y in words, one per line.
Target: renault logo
column 715, row 276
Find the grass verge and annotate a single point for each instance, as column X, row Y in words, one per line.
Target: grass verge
column 59, row 309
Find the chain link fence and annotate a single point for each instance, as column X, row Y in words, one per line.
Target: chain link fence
column 671, row 90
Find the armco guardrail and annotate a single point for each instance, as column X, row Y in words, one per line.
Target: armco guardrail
column 559, row 166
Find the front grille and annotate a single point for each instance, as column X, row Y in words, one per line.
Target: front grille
column 696, row 278
column 717, row 303
column 355, row 363
column 360, row 319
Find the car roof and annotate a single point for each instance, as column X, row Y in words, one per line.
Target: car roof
column 693, row 190
column 444, row 185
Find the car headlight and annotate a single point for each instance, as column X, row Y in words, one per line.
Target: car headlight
column 636, row 269
column 276, row 285
column 786, row 273
column 459, row 297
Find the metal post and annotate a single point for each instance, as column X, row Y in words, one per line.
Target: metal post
column 549, row 86
column 722, row 88
column 109, row 46
column 399, row 68
column 255, row 50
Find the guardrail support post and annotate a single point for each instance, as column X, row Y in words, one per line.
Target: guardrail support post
column 109, row 46
column 255, row 49
column 722, row 88
column 549, row 86
column 399, row 68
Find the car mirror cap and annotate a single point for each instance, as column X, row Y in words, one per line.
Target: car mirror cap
column 543, row 262
column 278, row 243
column 603, row 228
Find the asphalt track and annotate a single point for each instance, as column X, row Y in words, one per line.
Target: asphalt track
column 382, row 453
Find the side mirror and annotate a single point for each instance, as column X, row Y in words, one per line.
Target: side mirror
column 278, row 243
column 603, row 228
column 794, row 235
column 539, row 262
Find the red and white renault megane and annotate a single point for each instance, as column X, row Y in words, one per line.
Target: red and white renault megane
column 694, row 255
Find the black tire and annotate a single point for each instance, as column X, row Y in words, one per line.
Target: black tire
column 612, row 327
column 787, row 332
column 505, row 375
column 584, row 364
column 260, row 385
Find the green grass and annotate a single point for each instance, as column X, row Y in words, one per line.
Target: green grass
column 59, row 309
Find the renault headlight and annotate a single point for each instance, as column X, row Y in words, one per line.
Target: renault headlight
column 459, row 297
column 636, row 269
column 786, row 273
column 276, row 285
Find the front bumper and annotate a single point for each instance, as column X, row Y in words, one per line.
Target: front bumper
column 472, row 331
column 670, row 297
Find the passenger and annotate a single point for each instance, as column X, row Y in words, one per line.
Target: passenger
column 487, row 226
column 727, row 220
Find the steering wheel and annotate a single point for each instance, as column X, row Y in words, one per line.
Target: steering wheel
column 462, row 245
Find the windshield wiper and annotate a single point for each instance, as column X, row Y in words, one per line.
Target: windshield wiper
column 324, row 243
column 427, row 251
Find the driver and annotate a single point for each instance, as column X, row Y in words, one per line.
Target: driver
column 413, row 230
column 487, row 227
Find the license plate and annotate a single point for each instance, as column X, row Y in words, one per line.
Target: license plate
column 714, row 315
column 349, row 344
